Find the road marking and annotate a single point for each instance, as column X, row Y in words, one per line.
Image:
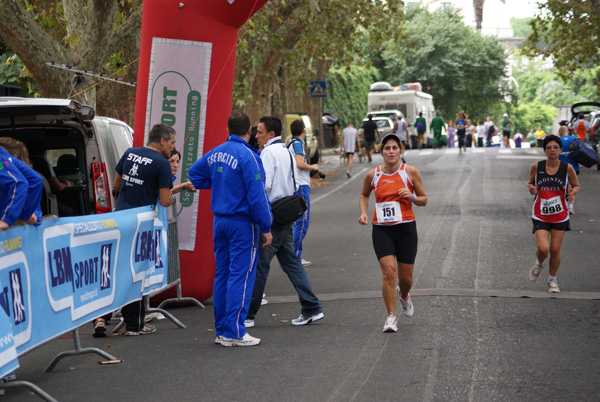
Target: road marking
column 425, row 153
column 505, row 151
column 518, row 157
column 497, row 293
column 354, row 176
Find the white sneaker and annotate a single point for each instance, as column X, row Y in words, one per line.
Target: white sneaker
column 391, row 324
column 305, row 263
column 348, row 174
column 553, row 286
column 407, row 306
column 302, row 320
column 249, row 323
column 535, row 271
column 218, row 339
column 247, row 340
column 264, row 301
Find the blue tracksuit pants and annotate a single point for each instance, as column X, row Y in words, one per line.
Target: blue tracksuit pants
column 301, row 225
column 236, row 250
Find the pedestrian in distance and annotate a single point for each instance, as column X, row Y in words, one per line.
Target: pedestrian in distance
column 461, row 125
column 349, row 144
column 242, row 220
column 540, row 134
column 451, row 134
column 369, row 130
column 279, row 183
column 582, row 127
column 296, row 147
column 396, row 186
column 548, row 181
column 141, row 184
column 518, row 139
column 480, row 133
column 437, row 126
column 565, row 156
column 401, row 130
column 506, row 123
column 421, row 127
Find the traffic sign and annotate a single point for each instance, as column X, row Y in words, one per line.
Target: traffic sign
column 318, row 89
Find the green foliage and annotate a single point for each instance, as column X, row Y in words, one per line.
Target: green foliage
column 521, row 27
column 13, row 72
column 532, row 114
column 347, row 90
column 566, row 31
column 456, row 64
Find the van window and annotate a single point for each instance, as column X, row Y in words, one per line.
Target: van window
column 52, row 155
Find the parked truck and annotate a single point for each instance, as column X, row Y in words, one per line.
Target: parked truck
column 407, row 100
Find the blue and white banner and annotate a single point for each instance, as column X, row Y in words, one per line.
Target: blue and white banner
column 8, row 351
column 68, row 271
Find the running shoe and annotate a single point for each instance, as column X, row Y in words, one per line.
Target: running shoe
column 247, row 340
column 147, row 330
column 264, row 301
column 535, row 271
column 407, row 306
column 553, row 286
column 99, row 328
column 303, row 320
column 305, row 263
column 348, row 174
column 218, row 339
column 391, row 323
column 249, row 323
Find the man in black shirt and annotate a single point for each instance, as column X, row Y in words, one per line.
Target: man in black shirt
column 369, row 130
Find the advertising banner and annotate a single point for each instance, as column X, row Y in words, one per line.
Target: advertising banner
column 8, row 351
column 176, row 93
column 68, row 271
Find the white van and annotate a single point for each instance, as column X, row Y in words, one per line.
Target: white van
column 384, row 99
column 81, row 147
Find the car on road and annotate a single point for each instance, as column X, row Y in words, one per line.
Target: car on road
column 81, row 148
column 311, row 140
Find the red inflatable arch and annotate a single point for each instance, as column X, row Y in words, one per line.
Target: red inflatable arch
column 214, row 24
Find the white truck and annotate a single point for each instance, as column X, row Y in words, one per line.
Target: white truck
column 384, row 100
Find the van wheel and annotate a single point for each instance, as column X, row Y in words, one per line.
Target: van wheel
column 315, row 158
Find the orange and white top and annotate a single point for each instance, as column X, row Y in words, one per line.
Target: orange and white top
column 390, row 209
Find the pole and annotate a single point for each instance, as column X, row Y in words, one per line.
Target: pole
column 321, row 130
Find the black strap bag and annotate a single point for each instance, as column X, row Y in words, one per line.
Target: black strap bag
column 288, row 209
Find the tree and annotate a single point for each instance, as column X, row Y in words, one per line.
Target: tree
column 461, row 68
column 566, row 32
column 95, row 35
column 291, row 42
column 530, row 115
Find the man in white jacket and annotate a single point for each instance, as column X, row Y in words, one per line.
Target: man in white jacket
column 280, row 170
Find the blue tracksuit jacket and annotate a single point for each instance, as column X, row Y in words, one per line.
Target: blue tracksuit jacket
column 13, row 189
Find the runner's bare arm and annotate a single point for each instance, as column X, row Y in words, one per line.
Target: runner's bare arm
column 363, row 200
column 415, row 177
column 574, row 183
column 531, row 184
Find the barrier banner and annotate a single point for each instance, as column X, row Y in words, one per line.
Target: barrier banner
column 68, row 271
column 8, row 351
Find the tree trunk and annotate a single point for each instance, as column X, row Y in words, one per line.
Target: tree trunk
column 478, row 7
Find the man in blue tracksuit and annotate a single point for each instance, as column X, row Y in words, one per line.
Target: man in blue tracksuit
column 235, row 173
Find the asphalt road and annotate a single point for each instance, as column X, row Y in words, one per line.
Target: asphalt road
column 481, row 330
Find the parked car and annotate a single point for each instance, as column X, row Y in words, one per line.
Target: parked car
column 311, row 140
column 384, row 125
column 591, row 111
column 80, row 147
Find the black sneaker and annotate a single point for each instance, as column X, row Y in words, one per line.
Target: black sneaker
column 99, row 328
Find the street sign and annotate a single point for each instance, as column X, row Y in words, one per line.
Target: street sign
column 318, row 89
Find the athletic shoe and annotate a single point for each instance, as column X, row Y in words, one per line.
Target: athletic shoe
column 302, row 320
column 407, row 306
column 535, row 271
column 553, row 286
column 147, row 330
column 99, row 328
column 348, row 174
column 218, row 339
column 249, row 323
column 247, row 340
column 264, row 301
column 306, row 263
column 391, row 323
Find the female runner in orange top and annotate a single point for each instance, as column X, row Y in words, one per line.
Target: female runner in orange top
column 397, row 186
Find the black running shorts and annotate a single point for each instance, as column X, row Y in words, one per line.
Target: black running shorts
column 399, row 240
column 539, row 225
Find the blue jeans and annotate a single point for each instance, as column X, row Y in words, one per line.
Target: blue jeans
column 282, row 247
column 301, row 225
